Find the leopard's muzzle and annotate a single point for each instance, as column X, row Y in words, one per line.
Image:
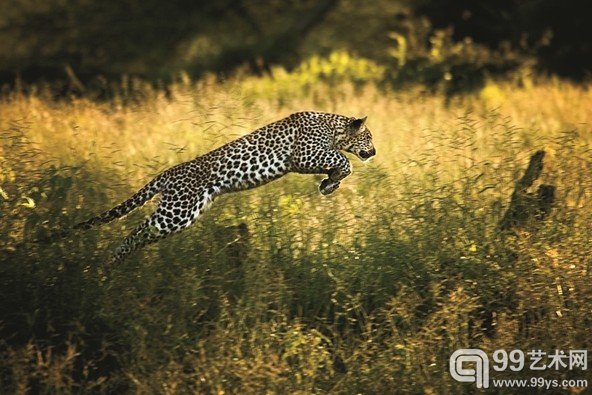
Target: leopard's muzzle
column 365, row 155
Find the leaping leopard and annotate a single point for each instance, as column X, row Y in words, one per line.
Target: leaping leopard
column 304, row 142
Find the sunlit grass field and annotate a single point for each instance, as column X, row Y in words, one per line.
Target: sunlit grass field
column 279, row 289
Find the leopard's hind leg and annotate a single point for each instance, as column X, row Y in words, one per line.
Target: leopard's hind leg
column 171, row 216
column 143, row 234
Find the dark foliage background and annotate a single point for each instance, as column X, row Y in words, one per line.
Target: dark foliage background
column 51, row 39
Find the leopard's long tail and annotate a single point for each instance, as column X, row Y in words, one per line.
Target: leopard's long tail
column 137, row 200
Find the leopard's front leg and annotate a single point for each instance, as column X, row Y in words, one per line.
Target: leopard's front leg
column 330, row 162
column 330, row 184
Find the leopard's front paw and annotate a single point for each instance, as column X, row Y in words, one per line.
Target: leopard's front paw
column 327, row 186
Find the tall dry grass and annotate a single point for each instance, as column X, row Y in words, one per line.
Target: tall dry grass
column 366, row 291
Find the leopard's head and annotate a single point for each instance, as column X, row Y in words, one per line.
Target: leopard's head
column 354, row 137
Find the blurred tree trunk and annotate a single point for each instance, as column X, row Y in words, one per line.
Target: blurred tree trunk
column 278, row 48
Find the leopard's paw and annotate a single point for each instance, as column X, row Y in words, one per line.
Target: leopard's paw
column 327, row 186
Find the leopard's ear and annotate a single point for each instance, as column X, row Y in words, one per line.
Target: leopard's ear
column 356, row 125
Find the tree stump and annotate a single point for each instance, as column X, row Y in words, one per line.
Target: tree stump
column 526, row 208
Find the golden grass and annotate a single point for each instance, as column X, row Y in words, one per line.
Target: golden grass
column 368, row 290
